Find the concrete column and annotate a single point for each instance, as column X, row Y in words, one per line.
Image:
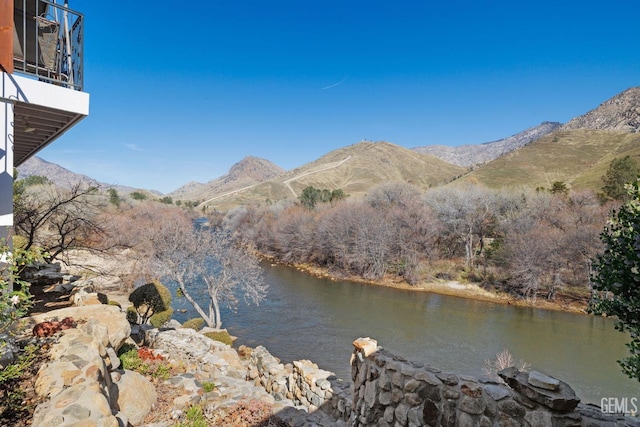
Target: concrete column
column 6, row 165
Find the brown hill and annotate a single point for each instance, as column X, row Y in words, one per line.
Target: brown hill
column 65, row 178
column 247, row 172
column 354, row 169
column 579, row 158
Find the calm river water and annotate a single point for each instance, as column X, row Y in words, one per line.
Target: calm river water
column 305, row 317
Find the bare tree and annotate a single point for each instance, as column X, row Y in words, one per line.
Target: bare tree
column 293, row 232
column 133, row 229
column 468, row 215
column 206, row 259
column 354, row 237
column 57, row 219
column 550, row 241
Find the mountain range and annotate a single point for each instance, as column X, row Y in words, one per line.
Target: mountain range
column 477, row 154
column 577, row 153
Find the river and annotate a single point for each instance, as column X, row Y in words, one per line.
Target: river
column 305, row 317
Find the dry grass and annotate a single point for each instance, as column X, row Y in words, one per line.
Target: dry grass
column 503, row 360
column 246, row 413
column 578, row 158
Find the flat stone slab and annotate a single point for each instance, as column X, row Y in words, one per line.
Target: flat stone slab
column 563, row 399
column 539, row 380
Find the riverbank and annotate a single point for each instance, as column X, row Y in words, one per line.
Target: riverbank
column 446, row 287
column 109, row 273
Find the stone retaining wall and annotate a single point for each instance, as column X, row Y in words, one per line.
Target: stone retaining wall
column 301, row 382
column 82, row 382
column 201, row 356
column 391, row 391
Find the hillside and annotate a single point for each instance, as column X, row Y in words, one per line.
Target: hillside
column 63, row 177
column 620, row 113
column 577, row 154
column 355, row 169
column 247, row 172
column 476, row 154
column 578, row 158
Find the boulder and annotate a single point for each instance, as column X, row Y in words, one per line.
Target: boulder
column 8, row 349
column 111, row 316
column 135, row 396
column 561, row 399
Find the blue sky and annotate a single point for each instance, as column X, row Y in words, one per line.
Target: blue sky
column 180, row 94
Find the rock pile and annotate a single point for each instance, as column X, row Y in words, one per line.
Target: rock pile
column 302, row 383
column 84, row 384
column 208, row 360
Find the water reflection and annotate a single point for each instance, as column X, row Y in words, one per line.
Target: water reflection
column 310, row 318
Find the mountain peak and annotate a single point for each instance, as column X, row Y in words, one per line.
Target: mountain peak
column 247, row 172
column 255, row 168
column 620, row 113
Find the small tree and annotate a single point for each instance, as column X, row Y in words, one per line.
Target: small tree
column 620, row 172
column 310, row 197
column 114, row 197
column 616, row 278
column 205, row 259
column 136, row 195
column 558, row 187
column 151, row 304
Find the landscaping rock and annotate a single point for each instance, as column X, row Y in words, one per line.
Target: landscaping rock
column 118, row 328
column 134, row 395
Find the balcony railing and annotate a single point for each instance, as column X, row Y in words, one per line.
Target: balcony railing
column 48, row 42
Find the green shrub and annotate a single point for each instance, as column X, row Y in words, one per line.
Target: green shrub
column 155, row 367
column 132, row 314
column 194, row 417
column 159, row 319
column 13, row 401
column 208, row 387
column 129, row 358
column 15, row 298
column 196, row 324
column 103, row 298
column 221, row 336
column 152, row 304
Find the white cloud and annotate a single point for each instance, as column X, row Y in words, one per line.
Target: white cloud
column 132, row 147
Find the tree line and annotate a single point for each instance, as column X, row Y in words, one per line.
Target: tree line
column 527, row 242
